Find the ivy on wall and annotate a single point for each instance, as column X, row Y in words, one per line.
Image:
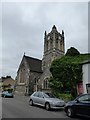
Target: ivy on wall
column 67, row 72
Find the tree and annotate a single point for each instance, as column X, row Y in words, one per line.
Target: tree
column 67, row 71
column 72, row 52
column 65, row 76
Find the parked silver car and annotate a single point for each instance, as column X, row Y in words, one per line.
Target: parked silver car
column 46, row 100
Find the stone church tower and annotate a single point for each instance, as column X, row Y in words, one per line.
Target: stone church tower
column 53, row 48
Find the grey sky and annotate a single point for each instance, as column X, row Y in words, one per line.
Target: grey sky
column 23, row 26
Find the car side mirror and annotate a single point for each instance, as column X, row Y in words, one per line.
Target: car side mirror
column 77, row 101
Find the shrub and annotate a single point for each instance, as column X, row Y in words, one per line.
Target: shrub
column 64, row 96
column 72, row 52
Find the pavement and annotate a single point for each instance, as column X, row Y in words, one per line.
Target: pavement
column 22, row 97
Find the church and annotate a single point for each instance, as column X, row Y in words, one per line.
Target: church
column 33, row 74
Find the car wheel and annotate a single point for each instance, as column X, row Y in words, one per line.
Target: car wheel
column 70, row 112
column 47, row 106
column 31, row 102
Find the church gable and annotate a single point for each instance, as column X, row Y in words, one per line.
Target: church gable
column 27, row 65
column 21, row 73
column 28, row 73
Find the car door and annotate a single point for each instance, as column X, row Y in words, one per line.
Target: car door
column 41, row 99
column 35, row 98
column 83, row 105
column 86, row 108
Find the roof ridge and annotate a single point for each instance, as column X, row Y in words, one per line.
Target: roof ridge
column 32, row 58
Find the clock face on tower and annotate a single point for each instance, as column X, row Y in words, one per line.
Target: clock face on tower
column 59, row 37
column 48, row 38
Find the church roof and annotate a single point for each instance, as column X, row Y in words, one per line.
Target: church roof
column 34, row 64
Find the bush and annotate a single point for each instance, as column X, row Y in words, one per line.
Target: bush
column 64, row 96
column 72, row 52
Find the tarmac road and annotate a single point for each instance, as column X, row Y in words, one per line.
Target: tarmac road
column 18, row 107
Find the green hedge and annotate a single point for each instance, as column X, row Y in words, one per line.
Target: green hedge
column 64, row 96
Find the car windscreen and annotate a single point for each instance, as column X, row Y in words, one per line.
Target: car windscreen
column 48, row 95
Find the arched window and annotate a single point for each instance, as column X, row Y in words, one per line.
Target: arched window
column 45, row 83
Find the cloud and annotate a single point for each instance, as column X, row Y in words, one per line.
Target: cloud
column 23, row 26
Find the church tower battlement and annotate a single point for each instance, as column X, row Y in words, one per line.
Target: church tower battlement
column 53, row 46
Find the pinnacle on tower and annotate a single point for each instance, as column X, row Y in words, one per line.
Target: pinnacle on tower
column 62, row 33
column 54, row 27
column 45, row 33
column 24, row 53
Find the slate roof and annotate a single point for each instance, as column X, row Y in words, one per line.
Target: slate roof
column 34, row 64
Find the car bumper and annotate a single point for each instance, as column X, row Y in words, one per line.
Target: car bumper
column 53, row 106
